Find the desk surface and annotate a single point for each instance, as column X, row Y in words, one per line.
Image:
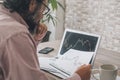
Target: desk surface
column 103, row 56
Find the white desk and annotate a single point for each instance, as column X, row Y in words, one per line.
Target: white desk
column 103, row 56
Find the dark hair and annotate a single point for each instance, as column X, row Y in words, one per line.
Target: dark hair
column 19, row 6
column 22, row 7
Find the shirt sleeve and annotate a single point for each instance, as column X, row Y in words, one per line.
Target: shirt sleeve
column 20, row 62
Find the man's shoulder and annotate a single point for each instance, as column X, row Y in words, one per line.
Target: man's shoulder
column 9, row 27
column 11, row 22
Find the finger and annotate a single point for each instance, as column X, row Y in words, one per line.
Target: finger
column 89, row 66
column 83, row 65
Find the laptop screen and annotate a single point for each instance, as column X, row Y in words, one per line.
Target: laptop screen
column 78, row 40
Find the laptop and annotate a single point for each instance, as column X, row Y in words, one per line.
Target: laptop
column 78, row 42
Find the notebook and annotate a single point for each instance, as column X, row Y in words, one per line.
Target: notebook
column 76, row 48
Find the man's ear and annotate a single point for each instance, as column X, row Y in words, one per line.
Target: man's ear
column 32, row 5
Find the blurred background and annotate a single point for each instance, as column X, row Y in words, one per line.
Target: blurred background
column 101, row 17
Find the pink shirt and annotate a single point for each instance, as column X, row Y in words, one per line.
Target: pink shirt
column 18, row 58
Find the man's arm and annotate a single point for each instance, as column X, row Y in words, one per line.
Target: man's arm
column 41, row 31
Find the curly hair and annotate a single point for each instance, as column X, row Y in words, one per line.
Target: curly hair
column 19, row 6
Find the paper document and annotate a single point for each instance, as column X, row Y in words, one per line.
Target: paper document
column 66, row 64
column 45, row 65
column 71, row 60
column 44, row 62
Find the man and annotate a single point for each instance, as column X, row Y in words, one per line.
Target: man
column 18, row 59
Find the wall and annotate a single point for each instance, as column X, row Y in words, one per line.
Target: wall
column 96, row 16
column 58, row 29
column 60, row 13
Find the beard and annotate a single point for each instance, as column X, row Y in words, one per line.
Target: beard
column 31, row 23
column 30, row 18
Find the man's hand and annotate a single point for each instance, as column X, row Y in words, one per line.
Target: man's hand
column 84, row 72
column 40, row 32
